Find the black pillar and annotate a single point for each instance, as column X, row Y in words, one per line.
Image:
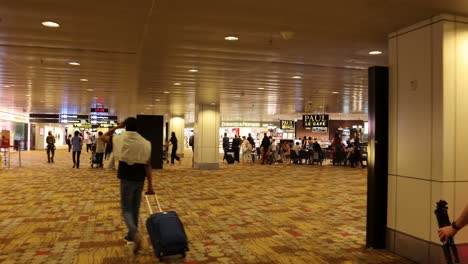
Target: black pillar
column 151, row 128
column 377, row 170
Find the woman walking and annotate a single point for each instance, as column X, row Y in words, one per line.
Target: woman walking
column 77, row 143
column 173, row 142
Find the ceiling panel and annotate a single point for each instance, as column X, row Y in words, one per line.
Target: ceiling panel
column 132, row 52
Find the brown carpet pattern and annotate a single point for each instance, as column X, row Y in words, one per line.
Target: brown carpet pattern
column 243, row 213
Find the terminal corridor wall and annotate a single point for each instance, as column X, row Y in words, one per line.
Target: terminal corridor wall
column 428, row 113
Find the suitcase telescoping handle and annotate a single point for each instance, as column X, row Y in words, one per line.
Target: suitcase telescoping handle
column 150, row 208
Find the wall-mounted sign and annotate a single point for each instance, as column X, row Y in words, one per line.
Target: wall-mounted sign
column 287, row 124
column 315, row 120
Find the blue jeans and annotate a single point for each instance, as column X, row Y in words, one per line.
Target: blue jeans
column 130, row 199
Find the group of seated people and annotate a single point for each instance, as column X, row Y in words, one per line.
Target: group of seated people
column 310, row 152
column 346, row 154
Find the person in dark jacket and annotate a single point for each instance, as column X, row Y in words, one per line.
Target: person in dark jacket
column 173, row 142
column 50, row 140
column 68, row 141
column 265, row 146
column 225, row 145
column 236, row 147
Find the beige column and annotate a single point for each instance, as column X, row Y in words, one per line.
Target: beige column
column 428, row 137
column 177, row 125
column 206, row 135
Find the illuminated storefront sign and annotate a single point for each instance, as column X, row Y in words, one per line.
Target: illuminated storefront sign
column 315, row 120
column 287, row 124
column 245, row 124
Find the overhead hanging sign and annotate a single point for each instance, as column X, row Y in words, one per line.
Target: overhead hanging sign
column 287, row 124
column 315, row 120
column 99, row 110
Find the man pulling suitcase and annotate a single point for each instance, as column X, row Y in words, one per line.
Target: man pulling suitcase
column 134, row 155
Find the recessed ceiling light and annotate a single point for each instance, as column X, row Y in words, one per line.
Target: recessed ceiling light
column 261, row 88
column 147, row 108
column 28, row 95
column 297, row 77
column 231, row 38
column 50, row 24
column 157, row 100
column 89, row 90
column 193, row 70
column 166, row 92
column 41, row 101
column 177, row 84
column 375, row 52
column 95, row 97
column 6, row 86
column 74, row 63
column 213, row 103
column 237, row 95
column 84, row 80
column 335, row 92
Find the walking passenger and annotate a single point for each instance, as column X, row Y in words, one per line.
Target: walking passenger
column 173, row 142
column 89, row 142
column 50, row 140
column 77, row 143
column 68, row 141
column 100, row 148
column 134, row 155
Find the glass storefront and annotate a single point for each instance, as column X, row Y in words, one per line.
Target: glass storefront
column 18, row 133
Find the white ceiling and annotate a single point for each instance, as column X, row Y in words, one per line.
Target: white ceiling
column 131, row 52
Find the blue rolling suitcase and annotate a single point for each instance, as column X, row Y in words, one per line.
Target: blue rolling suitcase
column 166, row 232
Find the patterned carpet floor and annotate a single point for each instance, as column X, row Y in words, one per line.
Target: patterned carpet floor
column 242, row 213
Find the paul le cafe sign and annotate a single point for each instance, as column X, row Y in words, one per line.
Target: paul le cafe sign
column 315, row 120
column 287, row 124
